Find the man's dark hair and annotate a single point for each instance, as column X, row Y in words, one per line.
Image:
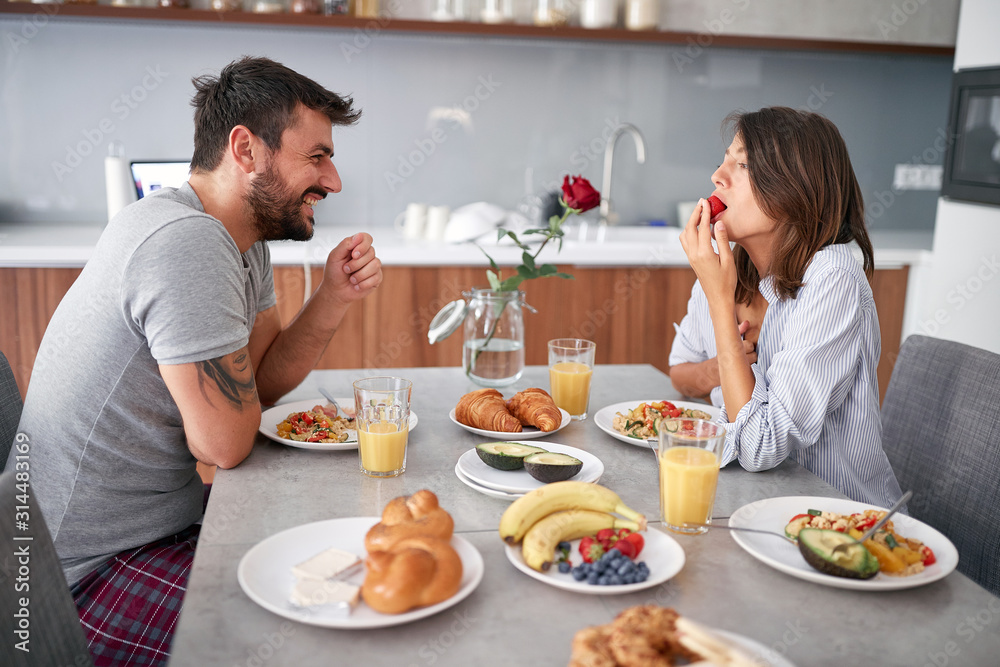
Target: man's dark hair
column 261, row 95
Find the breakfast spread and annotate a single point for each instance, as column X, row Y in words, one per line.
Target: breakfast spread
column 321, row 424
column 641, row 421
column 411, row 562
column 486, row 409
column 543, row 465
column 819, row 532
column 544, row 518
column 318, row 579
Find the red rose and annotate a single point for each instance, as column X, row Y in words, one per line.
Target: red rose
column 580, row 194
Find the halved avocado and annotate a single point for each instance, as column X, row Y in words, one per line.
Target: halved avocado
column 549, row 467
column 854, row 562
column 506, row 455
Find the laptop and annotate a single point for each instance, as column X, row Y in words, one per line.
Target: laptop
column 151, row 175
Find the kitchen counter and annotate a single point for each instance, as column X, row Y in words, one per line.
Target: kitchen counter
column 40, row 245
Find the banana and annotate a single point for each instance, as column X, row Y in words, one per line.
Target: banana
column 542, row 538
column 524, row 512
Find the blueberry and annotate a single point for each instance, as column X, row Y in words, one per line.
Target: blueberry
column 642, row 567
column 642, row 576
column 614, row 580
column 624, row 569
column 607, row 556
column 563, row 546
column 564, row 567
column 578, row 573
column 629, row 578
column 593, row 578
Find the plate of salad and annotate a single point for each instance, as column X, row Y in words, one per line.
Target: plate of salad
column 636, row 420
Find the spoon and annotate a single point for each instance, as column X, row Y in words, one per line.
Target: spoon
column 332, row 400
column 692, row 524
column 881, row 522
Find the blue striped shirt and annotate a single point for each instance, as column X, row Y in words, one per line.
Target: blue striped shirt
column 695, row 339
column 816, row 397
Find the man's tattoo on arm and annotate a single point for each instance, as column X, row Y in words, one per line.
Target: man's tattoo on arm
column 229, row 381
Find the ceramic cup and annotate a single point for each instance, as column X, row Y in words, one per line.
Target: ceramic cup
column 412, row 221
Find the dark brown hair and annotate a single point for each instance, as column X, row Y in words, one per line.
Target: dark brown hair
column 261, row 95
column 801, row 177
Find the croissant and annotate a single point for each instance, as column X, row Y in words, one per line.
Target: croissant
column 534, row 407
column 485, row 409
column 410, row 516
column 415, row 572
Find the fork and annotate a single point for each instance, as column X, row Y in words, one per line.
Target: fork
column 881, row 522
column 332, row 400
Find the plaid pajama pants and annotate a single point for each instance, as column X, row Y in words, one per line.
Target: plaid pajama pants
column 129, row 606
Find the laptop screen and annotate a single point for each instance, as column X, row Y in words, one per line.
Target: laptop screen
column 149, row 176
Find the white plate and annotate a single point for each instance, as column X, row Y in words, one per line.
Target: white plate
column 760, row 654
column 519, row 481
column 774, row 513
column 528, row 432
column 662, row 553
column 271, row 417
column 485, row 490
column 265, row 573
column 605, row 417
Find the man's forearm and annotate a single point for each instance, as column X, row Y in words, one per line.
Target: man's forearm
column 297, row 348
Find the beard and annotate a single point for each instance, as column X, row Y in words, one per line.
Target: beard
column 277, row 214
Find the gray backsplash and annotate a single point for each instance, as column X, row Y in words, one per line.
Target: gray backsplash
column 452, row 120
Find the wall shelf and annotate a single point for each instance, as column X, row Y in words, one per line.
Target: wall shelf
column 516, row 31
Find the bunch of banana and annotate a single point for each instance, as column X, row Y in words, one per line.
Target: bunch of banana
column 561, row 511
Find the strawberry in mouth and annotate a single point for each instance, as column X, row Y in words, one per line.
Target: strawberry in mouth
column 716, row 206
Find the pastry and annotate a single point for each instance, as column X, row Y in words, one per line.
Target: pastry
column 410, row 516
column 485, row 409
column 414, row 572
column 534, row 407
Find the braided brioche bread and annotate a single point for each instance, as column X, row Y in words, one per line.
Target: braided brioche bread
column 414, row 572
column 410, row 516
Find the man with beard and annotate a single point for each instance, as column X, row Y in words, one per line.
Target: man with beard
column 163, row 350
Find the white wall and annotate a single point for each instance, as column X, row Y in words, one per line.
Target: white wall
column 962, row 298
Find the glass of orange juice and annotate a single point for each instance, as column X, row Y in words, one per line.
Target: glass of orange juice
column 689, row 455
column 571, row 365
column 382, row 413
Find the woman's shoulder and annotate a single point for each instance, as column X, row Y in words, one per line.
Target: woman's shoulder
column 837, row 258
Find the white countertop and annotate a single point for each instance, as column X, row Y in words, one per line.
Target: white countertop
column 42, row 245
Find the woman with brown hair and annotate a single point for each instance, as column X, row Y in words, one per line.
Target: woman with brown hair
column 795, row 211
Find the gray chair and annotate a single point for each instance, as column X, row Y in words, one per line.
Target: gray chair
column 941, row 432
column 10, row 409
column 56, row 637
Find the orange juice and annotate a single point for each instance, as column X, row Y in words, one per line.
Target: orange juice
column 383, row 448
column 688, row 476
column 570, row 382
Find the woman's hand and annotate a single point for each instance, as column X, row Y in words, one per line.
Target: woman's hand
column 716, row 271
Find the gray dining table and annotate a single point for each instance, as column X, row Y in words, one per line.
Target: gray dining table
column 513, row 619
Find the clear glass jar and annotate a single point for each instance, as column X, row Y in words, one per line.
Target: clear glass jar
column 493, row 349
column 365, row 8
column 551, row 13
column 642, row 14
column 226, row 5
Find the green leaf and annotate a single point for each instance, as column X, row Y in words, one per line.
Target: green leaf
column 526, row 273
column 547, row 270
column 511, row 283
column 493, row 280
column 563, row 275
column 528, row 260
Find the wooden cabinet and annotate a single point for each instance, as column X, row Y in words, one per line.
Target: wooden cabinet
column 628, row 311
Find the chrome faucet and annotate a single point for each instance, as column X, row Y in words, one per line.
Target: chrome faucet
column 607, row 217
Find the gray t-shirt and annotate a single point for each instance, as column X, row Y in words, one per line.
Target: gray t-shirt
column 109, row 462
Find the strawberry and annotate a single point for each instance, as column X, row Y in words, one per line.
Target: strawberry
column 716, row 205
column 637, row 541
column 626, row 547
column 605, row 534
column 591, row 550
